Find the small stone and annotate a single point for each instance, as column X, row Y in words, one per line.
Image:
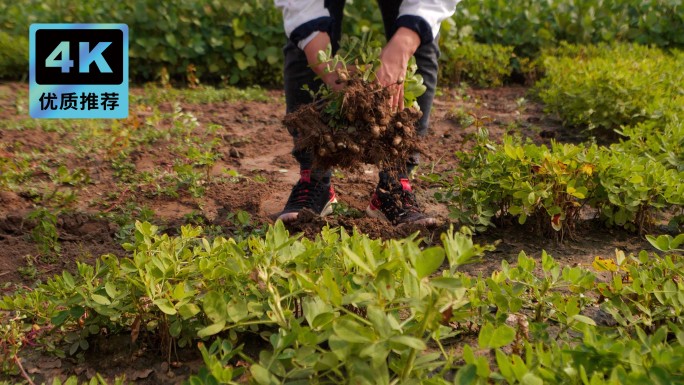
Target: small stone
column 234, row 153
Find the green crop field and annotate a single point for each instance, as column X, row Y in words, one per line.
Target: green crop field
column 145, row 251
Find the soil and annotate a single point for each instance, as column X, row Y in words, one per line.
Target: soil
column 257, row 147
column 355, row 126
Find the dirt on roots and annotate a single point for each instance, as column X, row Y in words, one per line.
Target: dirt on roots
column 356, row 126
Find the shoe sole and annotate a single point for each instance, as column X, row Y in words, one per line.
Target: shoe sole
column 377, row 214
column 291, row 217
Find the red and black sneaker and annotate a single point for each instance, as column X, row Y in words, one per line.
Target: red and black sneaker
column 398, row 205
column 309, row 194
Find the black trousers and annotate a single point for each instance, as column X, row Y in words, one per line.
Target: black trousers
column 298, row 73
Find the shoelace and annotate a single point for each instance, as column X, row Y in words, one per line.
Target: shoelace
column 409, row 201
column 398, row 203
column 303, row 194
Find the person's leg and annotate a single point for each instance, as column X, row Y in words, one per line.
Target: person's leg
column 297, row 74
column 427, row 57
column 397, row 181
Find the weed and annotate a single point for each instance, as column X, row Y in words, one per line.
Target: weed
column 343, row 210
column 28, row 271
column 76, row 178
column 461, row 117
column 45, row 232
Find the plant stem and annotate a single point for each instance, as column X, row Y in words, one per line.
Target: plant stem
column 359, row 318
column 446, row 357
column 17, row 361
column 260, row 322
column 412, row 356
column 246, row 357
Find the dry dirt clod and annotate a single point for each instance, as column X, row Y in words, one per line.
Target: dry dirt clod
column 235, row 153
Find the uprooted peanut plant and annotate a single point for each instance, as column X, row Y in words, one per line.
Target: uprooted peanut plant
column 357, row 124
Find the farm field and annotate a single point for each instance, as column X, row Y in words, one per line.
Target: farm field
column 226, row 165
column 85, row 184
column 145, row 250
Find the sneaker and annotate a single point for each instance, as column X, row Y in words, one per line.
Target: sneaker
column 398, row 206
column 307, row 194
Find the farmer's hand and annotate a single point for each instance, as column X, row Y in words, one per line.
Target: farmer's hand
column 320, row 43
column 394, row 61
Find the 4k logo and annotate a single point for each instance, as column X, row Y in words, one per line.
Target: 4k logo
column 78, row 70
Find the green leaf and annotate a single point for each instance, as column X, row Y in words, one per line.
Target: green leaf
column 237, row 310
column 429, row 261
column 68, row 279
column 59, row 318
column 530, row 379
column 466, row 375
column 111, row 290
column 584, row 319
column 447, row 283
column 504, row 364
column 179, row 292
column 214, row 306
column 166, row 306
column 350, row 330
column 171, row 39
column 411, row 342
column 250, row 50
column 100, row 299
column 322, row 320
column 636, row 179
column 262, row 376
column 188, row 310
column 238, row 27
column 313, row 307
column 175, row 328
column 677, row 241
column 211, row 329
column 272, row 55
column 339, row 347
column 354, row 258
column 380, row 321
column 239, row 43
column 330, row 288
column 492, row 338
column 665, row 242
